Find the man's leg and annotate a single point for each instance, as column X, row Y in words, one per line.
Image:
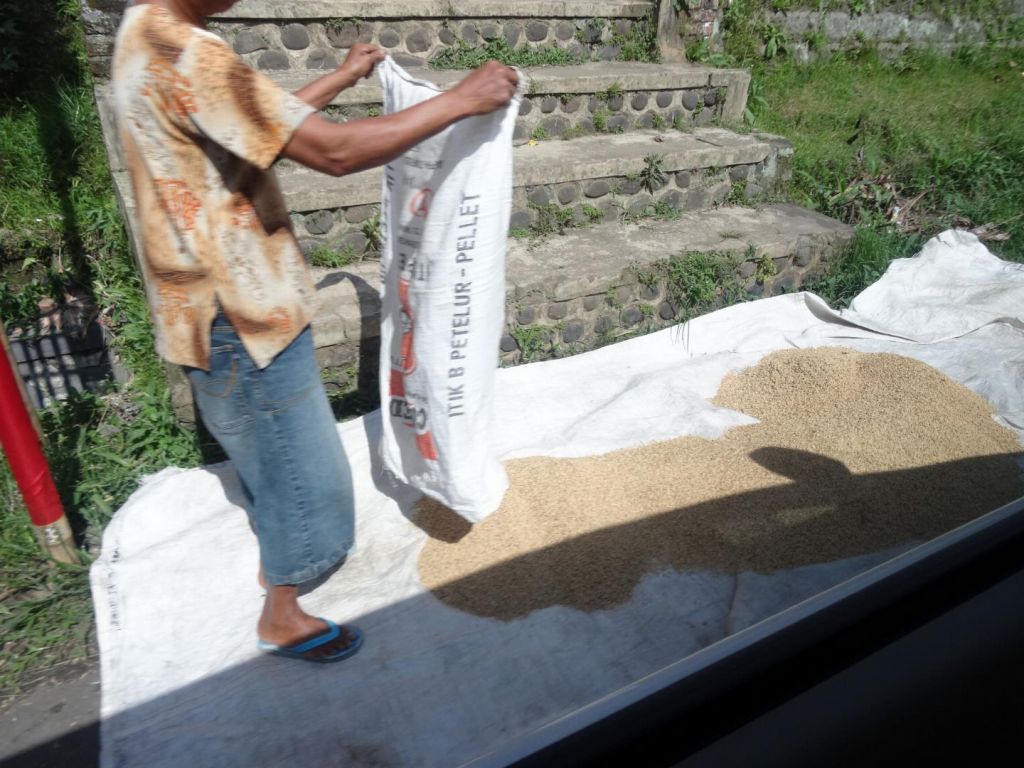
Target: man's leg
column 276, row 426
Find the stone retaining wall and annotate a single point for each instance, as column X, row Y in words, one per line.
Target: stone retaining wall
column 819, row 28
column 412, row 43
column 544, row 324
column 322, row 43
column 589, row 200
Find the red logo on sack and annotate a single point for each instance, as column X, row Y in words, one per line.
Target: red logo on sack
column 419, row 206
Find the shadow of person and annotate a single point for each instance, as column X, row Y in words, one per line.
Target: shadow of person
column 824, row 514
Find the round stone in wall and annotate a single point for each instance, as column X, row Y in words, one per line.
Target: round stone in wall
column 678, row 117
column 565, row 30
column 609, row 52
column 539, row 196
column 646, row 120
column 623, row 26
column 468, row 33
column 615, row 102
column 590, row 303
column 586, row 125
column 597, row 188
column 521, row 133
column 319, row 223
column 512, row 33
column 682, row 179
column 558, row 310
column 639, row 101
column 667, row 311
column 354, row 240
column 603, row 325
column 525, row 107
column 321, row 59
column 536, row 31
column 389, row 37
column 359, row 213
column 407, row 60
column 248, row 41
column 618, row 123
column 663, row 99
column 691, row 99
column 710, row 97
column 640, row 203
column 271, row 60
column 548, row 104
column 739, row 172
column 631, row 316
column 490, row 31
column 673, row 198
column 629, row 186
column 418, row 41
column 446, row 36
column 508, row 344
column 704, row 117
column 567, row 193
column 521, row 220
column 526, row 316
column 578, row 50
column 594, row 104
column 344, row 36
column 572, row 104
column 573, row 331
column 555, row 126
column 295, row 37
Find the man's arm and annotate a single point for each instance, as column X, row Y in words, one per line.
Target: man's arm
column 340, row 149
column 359, row 63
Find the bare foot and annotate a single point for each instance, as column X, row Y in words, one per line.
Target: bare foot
column 284, row 623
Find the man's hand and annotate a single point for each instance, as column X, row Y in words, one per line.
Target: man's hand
column 361, row 60
column 487, row 89
column 355, row 145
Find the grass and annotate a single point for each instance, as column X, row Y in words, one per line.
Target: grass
column 61, row 231
column 465, row 56
column 875, row 147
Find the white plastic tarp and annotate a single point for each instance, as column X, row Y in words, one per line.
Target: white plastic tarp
column 176, row 596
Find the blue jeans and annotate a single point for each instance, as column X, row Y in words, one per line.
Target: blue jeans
column 277, row 428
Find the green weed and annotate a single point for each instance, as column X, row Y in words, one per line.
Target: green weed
column 465, row 56
column 324, row 256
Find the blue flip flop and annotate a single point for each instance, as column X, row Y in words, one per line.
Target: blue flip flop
column 299, row 650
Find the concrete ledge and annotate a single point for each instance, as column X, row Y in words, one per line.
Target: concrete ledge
column 589, row 261
column 423, row 9
column 581, row 289
column 550, row 162
column 592, row 77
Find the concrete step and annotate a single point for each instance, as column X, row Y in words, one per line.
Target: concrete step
column 297, row 34
column 573, row 292
column 599, row 171
column 617, row 96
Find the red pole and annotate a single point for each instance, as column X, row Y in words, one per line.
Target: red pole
column 28, row 464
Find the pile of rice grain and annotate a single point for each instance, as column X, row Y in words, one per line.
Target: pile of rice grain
column 854, row 453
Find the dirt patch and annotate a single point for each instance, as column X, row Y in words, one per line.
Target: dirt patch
column 854, row 453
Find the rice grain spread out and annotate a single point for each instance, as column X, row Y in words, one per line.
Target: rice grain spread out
column 855, row 453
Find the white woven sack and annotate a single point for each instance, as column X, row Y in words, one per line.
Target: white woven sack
column 444, row 221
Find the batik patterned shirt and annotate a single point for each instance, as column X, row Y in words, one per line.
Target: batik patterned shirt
column 199, row 132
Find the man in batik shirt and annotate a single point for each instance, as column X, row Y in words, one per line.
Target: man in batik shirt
column 230, row 294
